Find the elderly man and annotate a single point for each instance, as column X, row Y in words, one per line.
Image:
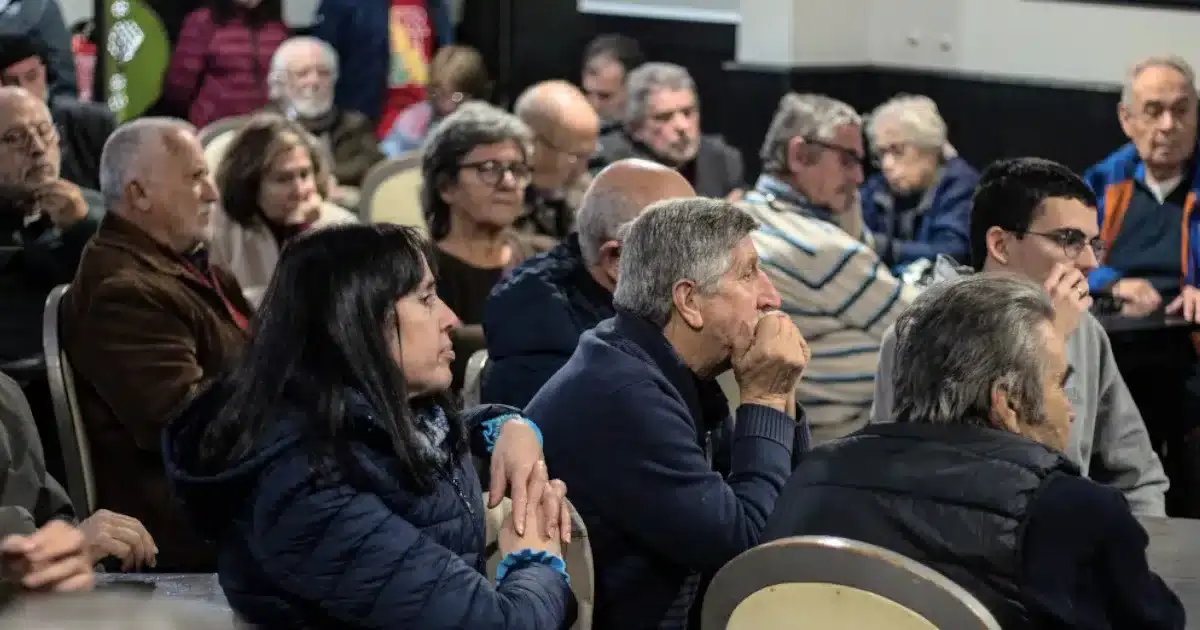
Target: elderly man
column 1037, row 219
column 303, row 72
column 607, row 60
column 535, row 316
column 44, row 223
column 834, row 286
column 972, row 479
column 662, row 123
column 147, row 320
column 565, row 129
column 635, row 420
column 82, row 127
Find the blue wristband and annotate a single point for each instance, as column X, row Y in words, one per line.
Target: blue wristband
column 525, row 557
column 491, row 428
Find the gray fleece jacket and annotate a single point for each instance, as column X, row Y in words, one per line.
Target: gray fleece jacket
column 1108, row 440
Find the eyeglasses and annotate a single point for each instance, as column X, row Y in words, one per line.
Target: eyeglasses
column 849, row 158
column 1072, row 241
column 572, row 157
column 880, row 152
column 22, row 138
column 492, row 172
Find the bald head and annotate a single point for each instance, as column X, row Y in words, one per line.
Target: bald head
column 135, row 147
column 618, row 195
column 33, row 159
column 555, row 103
column 566, row 129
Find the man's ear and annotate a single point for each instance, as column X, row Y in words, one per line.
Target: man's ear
column 1003, row 413
column 997, row 244
column 684, row 294
column 135, row 192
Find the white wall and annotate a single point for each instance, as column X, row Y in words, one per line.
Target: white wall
column 1077, row 43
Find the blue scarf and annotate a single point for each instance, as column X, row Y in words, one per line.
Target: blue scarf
column 433, row 429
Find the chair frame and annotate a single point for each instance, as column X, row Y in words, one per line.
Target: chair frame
column 473, row 378
column 218, row 127
column 379, row 174
column 850, row 563
column 72, row 437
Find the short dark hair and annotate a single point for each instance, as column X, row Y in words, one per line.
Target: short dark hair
column 1011, row 193
column 623, row 49
column 249, row 156
column 17, row 48
column 224, row 11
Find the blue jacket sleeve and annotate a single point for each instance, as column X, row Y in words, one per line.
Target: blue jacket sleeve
column 666, row 493
column 949, row 232
column 346, row 552
column 515, row 380
column 871, row 212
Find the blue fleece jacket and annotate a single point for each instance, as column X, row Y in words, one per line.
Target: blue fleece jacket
column 941, row 216
column 629, row 428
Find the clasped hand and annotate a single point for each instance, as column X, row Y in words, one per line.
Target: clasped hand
column 539, row 504
column 768, row 363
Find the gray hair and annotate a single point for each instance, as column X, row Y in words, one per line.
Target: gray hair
column 917, row 118
column 674, row 240
column 278, row 75
column 471, row 125
column 961, row 339
column 647, row 79
column 126, row 150
column 1174, row 62
column 603, row 216
column 809, row 116
column 115, row 610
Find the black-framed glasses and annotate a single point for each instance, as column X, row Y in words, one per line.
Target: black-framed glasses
column 849, row 157
column 1072, row 241
column 492, row 172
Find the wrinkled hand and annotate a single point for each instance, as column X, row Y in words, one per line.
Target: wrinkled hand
column 62, row 202
column 51, row 559
column 1141, row 299
column 1187, row 304
column 769, row 365
column 1068, row 290
column 122, row 537
column 509, row 540
column 519, row 472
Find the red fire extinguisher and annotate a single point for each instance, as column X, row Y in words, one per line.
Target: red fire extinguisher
column 85, row 64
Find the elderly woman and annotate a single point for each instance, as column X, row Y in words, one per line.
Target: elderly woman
column 475, row 168
column 273, row 180
column 335, row 472
column 457, row 74
column 919, row 203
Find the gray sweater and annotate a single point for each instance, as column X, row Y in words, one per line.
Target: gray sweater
column 1109, row 440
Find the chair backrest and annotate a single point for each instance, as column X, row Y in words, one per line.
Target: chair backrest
column 216, row 137
column 836, row 584
column 578, row 555
column 473, row 378
column 72, row 438
column 391, row 192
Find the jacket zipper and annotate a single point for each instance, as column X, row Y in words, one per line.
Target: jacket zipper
column 461, row 495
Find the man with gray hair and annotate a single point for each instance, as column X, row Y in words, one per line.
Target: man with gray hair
column 303, row 73
column 662, row 123
column 147, row 320
column 972, row 481
column 638, row 428
column 832, row 283
column 535, row 316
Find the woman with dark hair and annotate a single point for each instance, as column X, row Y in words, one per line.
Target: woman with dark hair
column 273, row 182
column 222, row 57
column 334, row 474
column 457, row 75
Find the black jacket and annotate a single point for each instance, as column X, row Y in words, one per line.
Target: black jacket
column 83, row 128
column 43, row 21
column 716, row 171
column 1008, row 519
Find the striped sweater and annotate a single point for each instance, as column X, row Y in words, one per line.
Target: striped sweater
column 839, row 293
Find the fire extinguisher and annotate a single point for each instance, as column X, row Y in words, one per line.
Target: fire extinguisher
column 84, row 52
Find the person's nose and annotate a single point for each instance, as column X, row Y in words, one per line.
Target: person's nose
column 769, row 297
column 1087, row 260
column 208, row 191
column 450, row 321
column 856, row 173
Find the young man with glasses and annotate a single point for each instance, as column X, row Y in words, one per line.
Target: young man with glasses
column 1037, row 219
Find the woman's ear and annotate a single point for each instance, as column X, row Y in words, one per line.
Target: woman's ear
column 447, row 189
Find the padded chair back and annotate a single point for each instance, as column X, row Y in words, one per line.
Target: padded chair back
column 391, row 192
column 828, row 583
column 216, row 137
column 578, row 555
column 473, row 378
column 72, row 437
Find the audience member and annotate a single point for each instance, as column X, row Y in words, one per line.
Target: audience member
column 30, row 498
column 836, row 289
column 221, row 59
column 475, row 168
column 971, row 479
column 332, row 449
column 303, row 72
column 918, row 205
column 82, row 127
column 147, row 320
column 51, row 559
column 384, row 47
column 272, row 189
column 638, row 428
column 662, row 123
column 607, row 60
column 457, row 75
column 564, row 129
column 535, row 316
column 44, row 221
column 42, row 22
column 1037, row 219
column 1146, row 190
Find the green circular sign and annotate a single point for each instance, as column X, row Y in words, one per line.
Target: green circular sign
column 137, row 51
